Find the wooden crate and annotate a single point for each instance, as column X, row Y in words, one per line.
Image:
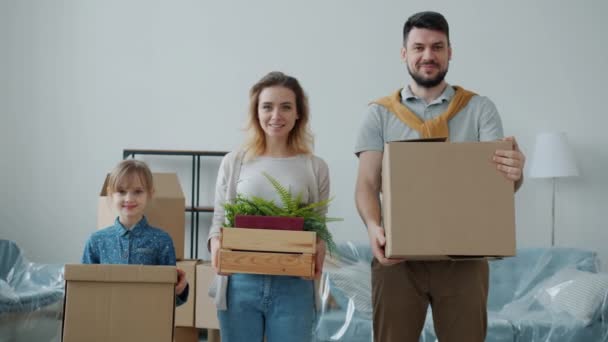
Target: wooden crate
column 266, row 251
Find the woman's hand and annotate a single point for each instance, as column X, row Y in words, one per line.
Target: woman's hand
column 319, row 260
column 215, row 249
column 215, row 255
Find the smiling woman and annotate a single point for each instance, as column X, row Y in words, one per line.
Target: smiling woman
column 277, row 113
column 252, row 306
column 278, row 118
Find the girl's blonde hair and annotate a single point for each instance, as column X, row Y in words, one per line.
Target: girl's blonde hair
column 300, row 140
column 122, row 173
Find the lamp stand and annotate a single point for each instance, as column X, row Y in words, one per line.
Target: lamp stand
column 553, row 214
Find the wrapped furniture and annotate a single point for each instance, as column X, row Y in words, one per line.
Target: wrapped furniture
column 31, row 297
column 542, row 294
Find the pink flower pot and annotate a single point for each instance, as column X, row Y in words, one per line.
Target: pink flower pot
column 269, row 222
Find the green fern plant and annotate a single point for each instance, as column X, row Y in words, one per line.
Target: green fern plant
column 292, row 206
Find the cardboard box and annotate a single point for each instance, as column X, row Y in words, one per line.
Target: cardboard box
column 166, row 210
column 183, row 334
column 119, row 303
column 185, row 313
column 446, row 201
column 266, row 251
column 205, row 309
column 200, row 310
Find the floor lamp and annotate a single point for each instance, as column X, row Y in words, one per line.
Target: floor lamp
column 552, row 158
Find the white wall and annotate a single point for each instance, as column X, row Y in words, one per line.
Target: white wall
column 81, row 80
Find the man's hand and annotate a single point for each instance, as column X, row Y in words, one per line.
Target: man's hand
column 511, row 162
column 181, row 282
column 377, row 240
column 367, row 191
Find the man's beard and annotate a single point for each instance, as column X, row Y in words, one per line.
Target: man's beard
column 428, row 82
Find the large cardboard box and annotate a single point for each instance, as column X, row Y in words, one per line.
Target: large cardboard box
column 184, row 314
column 119, row 303
column 205, row 309
column 166, row 210
column 446, row 201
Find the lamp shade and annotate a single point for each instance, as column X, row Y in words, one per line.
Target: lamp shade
column 552, row 157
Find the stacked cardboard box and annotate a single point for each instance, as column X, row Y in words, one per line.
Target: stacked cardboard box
column 199, row 311
column 184, row 314
column 205, row 311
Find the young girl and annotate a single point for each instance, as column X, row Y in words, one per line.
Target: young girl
column 131, row 240
column 279, row 307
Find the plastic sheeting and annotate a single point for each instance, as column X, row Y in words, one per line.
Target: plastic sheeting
column 541, row 295
column 31, row 297
column 345, row 292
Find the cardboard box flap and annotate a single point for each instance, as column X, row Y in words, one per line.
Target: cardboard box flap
column 121, row 273
column 104, row 187
column 166, row 185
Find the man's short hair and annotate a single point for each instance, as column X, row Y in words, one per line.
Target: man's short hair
column 426, row 20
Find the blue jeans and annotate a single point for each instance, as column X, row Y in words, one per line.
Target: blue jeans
column 281, row 307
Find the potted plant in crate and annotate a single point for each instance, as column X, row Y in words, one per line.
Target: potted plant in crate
column 256, row 212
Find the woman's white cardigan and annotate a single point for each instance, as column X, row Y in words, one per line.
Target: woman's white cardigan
column 225, row 191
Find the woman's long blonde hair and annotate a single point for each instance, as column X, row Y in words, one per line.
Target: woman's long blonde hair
column 300, row 139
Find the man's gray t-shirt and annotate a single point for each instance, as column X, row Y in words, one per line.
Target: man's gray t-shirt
column 477, row 121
